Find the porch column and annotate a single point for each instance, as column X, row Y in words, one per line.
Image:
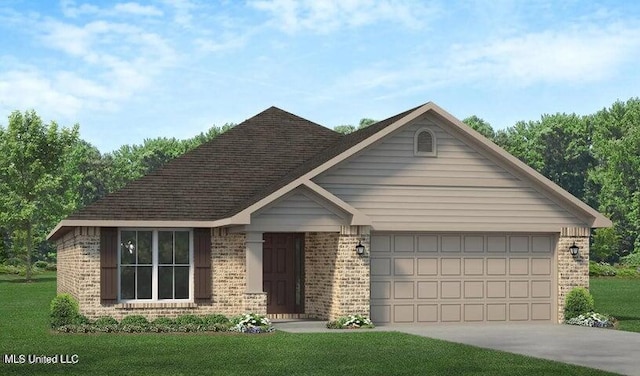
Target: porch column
column 254, row 262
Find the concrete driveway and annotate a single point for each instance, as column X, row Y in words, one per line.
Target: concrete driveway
column 606, row 349
column 609, row 350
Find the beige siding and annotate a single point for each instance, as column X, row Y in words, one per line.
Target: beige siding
column 299, row 211
column 457, row 190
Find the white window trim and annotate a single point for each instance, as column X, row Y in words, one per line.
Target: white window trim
column 155, row 265
column 432, row 153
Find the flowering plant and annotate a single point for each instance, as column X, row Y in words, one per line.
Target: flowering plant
column 592, row 319
column 251, row 323
column 350, row 322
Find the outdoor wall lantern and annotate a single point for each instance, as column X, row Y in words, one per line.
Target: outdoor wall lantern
column 360, row 248
column 574, row 250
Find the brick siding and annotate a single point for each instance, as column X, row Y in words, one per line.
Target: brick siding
column 79, row 275
column 572, row 271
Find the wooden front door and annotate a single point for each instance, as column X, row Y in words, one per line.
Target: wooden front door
column 283, row 261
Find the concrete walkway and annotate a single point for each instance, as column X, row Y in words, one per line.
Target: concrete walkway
column 606, row 349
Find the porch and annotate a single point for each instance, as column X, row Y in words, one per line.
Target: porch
column 292, row 275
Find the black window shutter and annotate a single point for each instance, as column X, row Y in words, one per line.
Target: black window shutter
column 202, row 264
column 108, row 265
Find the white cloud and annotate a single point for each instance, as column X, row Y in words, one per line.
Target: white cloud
column 183, row 10
column 330, row 15
column 29, row 89
column 576, row 56
column 71, row 10
column 112, row 62
column 137, row 9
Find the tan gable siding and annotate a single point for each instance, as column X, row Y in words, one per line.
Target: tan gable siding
column 460, row 189
column 393, row 159
column 299, row 211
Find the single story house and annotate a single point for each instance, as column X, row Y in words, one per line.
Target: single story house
column 415, row 219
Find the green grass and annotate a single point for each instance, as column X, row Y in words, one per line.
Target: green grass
column 23, row 330
column 619, row 298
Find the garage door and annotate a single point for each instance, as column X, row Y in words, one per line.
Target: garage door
column 431, row 278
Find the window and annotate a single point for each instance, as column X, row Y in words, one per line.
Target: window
column 155, row 264
column 424, row 143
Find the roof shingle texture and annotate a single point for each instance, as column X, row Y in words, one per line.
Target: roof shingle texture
column 214, row 180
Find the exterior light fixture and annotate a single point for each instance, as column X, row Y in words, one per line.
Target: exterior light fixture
column 360, row 248
column 574, row 250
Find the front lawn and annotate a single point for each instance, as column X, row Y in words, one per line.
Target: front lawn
column 619, row 298
column 24, row 330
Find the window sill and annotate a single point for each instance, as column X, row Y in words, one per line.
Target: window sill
column 154, row 305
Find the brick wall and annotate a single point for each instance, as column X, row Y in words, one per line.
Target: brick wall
column 336, row 278
column 572, row 271
column 352, row 279
column 79, row 263
column 229, row 271
column 79, row 275
column 320, row 269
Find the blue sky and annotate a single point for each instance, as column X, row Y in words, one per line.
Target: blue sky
column 126, row 71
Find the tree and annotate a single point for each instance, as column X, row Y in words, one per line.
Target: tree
column 481, row 126
column 616, row 148
column 86, row 170
column 32, row 156
column 345, row 129
column 348, row 128
column 558, row 146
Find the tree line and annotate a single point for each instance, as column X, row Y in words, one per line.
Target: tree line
column 47, row 172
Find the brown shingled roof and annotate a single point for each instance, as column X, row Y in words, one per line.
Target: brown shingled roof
column 340, row 146
column 212, row 180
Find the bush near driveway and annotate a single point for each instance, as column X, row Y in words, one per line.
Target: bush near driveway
column 578, row 302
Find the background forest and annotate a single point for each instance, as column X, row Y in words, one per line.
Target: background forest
column 47, row 172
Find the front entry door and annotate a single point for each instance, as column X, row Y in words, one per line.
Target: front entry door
column 282, row 272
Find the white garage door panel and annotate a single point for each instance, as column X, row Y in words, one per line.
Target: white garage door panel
column 430, row 278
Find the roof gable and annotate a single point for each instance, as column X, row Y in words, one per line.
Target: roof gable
column 352, row 144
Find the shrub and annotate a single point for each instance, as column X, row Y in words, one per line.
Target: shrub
column 601, row 269
column 188, row 320
column 163, row 325
column 64, row 310
column 251, row 323
column 8, row 269
column 81, row 320
column 14, row 261
column 579, row 301
column 350, row 322
column 40, row 264
column 628, row 273
column 135, row 320
column 51, row 267
column 592, row 319
column 215, row 318
column 631, row 260
column 105, row 321
column 164, row 321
